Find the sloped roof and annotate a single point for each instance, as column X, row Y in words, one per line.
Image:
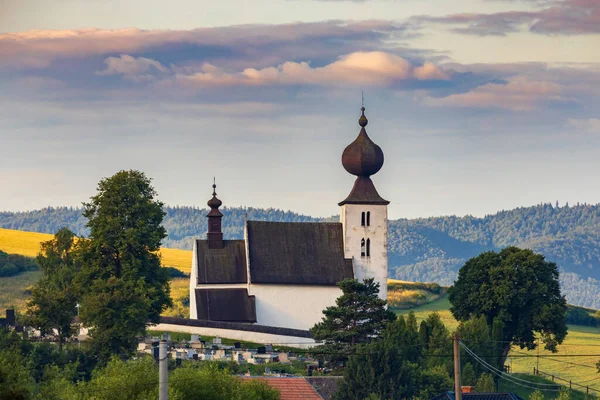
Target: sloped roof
column 305, row 253
column 226, row 265
column 292, row 388
column 364, row 192
column 230, row 305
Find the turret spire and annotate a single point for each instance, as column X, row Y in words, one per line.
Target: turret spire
column 214, row 234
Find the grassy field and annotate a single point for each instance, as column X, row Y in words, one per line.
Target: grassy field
column 28, row 244
column 13, row 290
column 407, row 295
column 568, row 363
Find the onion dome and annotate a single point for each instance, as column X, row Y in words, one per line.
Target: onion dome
column 214, row 204
column 362, row 157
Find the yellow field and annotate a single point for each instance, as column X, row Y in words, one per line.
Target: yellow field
column 28, row 244
column 23, row 243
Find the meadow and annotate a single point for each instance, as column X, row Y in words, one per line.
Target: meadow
column 574, row 361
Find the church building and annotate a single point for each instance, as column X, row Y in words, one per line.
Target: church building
column 284, row 274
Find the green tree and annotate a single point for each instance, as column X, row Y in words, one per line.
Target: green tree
column 485, row 383
column 394, row 367
column 359, row 316
column 125, row 286
column 52, row 306
column 564, row 394
column 211, row 383
column 537, row 395
column 516, row 287
column 468, row 376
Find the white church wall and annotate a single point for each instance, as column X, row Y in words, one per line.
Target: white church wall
column 292, row 306
column 375, row 265
column 256, row 337
column 193, row 283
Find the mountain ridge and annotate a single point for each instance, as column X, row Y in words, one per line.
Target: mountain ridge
column 422, row 249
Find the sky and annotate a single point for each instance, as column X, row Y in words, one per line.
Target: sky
column 478, row 105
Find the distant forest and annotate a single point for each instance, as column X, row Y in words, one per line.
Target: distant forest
column 424, row 249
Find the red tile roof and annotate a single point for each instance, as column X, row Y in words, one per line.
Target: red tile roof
column 293, row 388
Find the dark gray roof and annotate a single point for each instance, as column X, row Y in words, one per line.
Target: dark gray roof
column 229, row 305
column 226, row 265
column 306, row 253
column 364, row 192
column 479, row 396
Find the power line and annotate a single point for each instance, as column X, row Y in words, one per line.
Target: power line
column 488, row 366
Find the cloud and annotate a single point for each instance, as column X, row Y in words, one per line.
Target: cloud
column 360, row 68
column 516, row 95
column 260, row 45
column 564, row 17
column 587, row 125
column 132, row 67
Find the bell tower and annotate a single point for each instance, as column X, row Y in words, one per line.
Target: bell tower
column 363, row 213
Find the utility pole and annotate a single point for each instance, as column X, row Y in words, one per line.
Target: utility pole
column 457, row 385
column 163, row 372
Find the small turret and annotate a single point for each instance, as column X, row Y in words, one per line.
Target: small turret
column 214, row 234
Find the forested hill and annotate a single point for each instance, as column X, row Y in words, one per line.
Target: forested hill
column 424, row 249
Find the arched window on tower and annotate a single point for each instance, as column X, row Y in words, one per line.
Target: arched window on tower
column 368, row 247
column 362, row 219
column 362, row 247
column 368, row 218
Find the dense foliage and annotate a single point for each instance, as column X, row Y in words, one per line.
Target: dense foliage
column 39, row 371
column 359, row 316
column 516, row 289
column 422, row 250
column 405, row 363
column 125, row 286
column 14, row 264
column 53, row 302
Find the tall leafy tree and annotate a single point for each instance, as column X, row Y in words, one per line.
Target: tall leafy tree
column 358, row 316
column 125, row 286
column 518, row 293
column 394, row 366
column 52, row 306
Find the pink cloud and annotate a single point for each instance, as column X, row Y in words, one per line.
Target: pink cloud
column 563, row 17
column 517, row 95
column 37, row 49
column 360, row 68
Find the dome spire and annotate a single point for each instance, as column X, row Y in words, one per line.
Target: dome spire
column 363, row 158
column 214, row 203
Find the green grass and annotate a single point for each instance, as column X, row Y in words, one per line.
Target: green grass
column 524, row 392
column 13, row 290
column 441, row 306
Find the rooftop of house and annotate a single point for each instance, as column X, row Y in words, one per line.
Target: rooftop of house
column 291, row 388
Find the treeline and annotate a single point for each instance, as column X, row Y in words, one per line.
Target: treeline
column 14, row 264
column 582, row 316
column 423, row 249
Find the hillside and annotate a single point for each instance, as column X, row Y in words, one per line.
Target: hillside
column 576, row 358
column 423, row 250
